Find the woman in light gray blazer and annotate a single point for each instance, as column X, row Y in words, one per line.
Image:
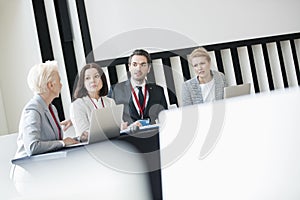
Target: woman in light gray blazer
column 39, row 128
column 208, row 85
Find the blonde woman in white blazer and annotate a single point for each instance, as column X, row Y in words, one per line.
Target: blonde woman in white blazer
column 90, row 94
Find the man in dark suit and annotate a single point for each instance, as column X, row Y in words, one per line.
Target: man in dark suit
column 142, row 100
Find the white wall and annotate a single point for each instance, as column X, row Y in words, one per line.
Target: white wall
column 19, row 51
column 197, row 21
column 193, row 21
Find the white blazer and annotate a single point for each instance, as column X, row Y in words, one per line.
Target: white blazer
column 81, row 111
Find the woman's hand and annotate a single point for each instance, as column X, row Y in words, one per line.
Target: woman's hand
column 69, row 141
column 84, row 136
column 124, row 125
column 66, row 124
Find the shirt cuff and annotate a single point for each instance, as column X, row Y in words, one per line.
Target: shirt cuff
column 62, row 142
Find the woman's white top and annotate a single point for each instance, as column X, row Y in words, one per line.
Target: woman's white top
column 81, row 111
column 208, row 91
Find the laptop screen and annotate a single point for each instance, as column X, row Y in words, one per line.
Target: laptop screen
column 237, row 90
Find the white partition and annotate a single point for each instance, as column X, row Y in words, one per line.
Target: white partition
column 3, row 122
column 106, row 170
column 243, row 148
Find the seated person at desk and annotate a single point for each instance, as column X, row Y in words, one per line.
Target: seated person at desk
column 39, row 129
column 141, row 99
column 90, row 94
column 208, row 85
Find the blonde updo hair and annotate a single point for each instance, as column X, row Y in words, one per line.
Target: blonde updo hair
column 40, row 75
column 199, row 52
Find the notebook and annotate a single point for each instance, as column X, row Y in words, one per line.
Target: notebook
column 237, row 90
column 105, row 124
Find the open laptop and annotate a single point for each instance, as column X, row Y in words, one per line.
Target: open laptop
column 105, row 124
column 237, row 90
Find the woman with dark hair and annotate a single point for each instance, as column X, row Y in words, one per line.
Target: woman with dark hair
column 90, row 94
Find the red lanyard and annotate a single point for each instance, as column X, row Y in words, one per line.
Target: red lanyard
column 53, row 116
column 141, row 107
column 95, row 104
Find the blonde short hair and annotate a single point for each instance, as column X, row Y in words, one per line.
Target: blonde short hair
column 199, row 52
column 40, row 75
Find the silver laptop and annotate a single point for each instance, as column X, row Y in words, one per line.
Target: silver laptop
column 237, row 90
column 105, row 124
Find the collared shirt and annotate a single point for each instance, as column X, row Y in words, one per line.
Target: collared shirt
column 134, row 86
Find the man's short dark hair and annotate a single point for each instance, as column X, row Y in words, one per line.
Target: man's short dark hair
column 140, row 52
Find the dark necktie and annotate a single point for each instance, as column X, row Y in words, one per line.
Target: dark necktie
column 56, row 122
column 141, row 96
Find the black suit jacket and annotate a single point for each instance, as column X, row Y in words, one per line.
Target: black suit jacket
column 121, row 93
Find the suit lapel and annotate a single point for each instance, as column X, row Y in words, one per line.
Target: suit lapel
column 52, row 122
column 48, row 115
column 132, row 109
column 150, row 96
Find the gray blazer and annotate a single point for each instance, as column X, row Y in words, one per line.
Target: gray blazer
column 38, row 132
column 191, row 90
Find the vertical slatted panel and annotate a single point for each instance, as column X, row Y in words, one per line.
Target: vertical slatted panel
column 253, row 69
column 105, row 70
column 282, row 66
column 228, row 67
column 150, row 75
column 59, row 57
column 289, row 64
column 191, row 68
column 213, row 60
column 112, row 72
column 236, row 66
column 185, row 67
column 260, row 68
column 295, row 58
column 78, row 46
column 245, row 66
column 219, row 61
column 275, row 65
column 121, row 72
column 267, row 66
column 169, row 80
column 160, row 76
column 177, row 75
column 297, row 45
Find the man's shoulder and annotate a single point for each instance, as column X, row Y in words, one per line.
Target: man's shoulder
column 121, row 84
column 153, row 85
